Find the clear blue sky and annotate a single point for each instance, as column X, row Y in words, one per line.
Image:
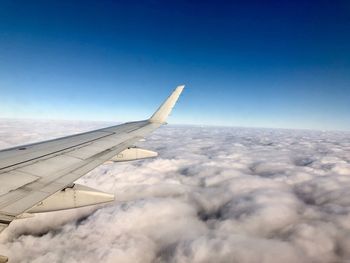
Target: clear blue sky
column 245, row 63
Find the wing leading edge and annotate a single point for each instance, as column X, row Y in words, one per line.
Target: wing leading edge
column 32, row 173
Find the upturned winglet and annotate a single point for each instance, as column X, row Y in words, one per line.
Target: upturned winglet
column 164, row 110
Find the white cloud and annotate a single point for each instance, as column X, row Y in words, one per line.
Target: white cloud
column 213, row 195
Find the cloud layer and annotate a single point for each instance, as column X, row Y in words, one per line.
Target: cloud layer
column 213, row 195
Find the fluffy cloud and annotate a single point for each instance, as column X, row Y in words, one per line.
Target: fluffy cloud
column 213, row 195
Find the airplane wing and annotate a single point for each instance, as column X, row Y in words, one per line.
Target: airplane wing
column 39, row 177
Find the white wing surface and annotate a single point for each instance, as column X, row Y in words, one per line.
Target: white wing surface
column 32, row 173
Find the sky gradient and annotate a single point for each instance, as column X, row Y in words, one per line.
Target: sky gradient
column 282, row 64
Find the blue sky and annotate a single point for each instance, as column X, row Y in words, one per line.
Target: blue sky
column 245, row 63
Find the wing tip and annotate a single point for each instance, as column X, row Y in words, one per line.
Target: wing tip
column 165, row 109
column 180, row 87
